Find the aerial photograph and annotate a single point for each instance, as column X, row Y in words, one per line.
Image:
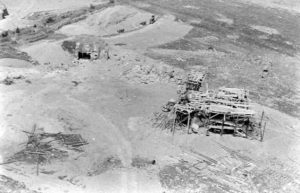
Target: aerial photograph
column 149, row 96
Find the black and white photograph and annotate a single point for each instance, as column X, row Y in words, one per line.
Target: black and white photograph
column 149, row 96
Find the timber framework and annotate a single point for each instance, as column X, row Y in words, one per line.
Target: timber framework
column 223, row 111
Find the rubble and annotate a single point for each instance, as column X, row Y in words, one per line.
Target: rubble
column 150, row 73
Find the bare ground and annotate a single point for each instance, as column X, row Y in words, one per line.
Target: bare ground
column 110, row 103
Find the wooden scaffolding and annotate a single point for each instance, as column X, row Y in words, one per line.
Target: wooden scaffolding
column 194, row 80
column 225, row 111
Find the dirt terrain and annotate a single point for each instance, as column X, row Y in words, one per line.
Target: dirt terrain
column 111, row 102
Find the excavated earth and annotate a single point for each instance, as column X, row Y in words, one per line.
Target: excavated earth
column 110, row 103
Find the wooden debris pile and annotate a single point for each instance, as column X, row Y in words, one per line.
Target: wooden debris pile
column 42, row 147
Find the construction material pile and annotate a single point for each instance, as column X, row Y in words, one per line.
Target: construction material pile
column 225, row 110
column 41, row 147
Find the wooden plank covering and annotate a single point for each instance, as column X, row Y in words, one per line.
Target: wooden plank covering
column 196, row 77
column 244, row 105
column 220, row 127
column 187, row 108
column 236, row 94
column 223, row 109
column 228, row 123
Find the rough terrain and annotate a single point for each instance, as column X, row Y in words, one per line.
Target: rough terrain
column 247, row 44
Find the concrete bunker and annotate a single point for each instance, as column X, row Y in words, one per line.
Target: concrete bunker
column 87, row 50
column 86, row 47
column 82, row 55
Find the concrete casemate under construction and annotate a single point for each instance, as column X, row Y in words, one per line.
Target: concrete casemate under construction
column 86, row 47
column 224, row 110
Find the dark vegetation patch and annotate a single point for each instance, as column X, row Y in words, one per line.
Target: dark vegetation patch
column 9, row 80
column 69, row 46
column 50, row 20
column 7, row 51
column 4, row 13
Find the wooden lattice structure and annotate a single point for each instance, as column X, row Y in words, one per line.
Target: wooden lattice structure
column 233, row 94
column 194, row 80
column 226, row 110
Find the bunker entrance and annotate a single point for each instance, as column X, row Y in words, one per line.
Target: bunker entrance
column 82, row 55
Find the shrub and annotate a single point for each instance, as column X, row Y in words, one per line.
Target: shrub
column 69, row 46
column 4, row 13
column 92, row 6
column 50, row 20
column 4, row 34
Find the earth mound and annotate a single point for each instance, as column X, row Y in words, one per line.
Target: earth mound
column 109, row 21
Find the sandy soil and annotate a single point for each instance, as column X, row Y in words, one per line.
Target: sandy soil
column 19, row 9
column 60, row 98
column 163, row 31
column 110, row 103
column 109, row 21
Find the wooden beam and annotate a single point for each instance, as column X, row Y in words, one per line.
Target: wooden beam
column 236, row 121
column 207, row 126
column 188, row 123
column 173, row 129
column 247, row 126
column 38, row 164
column 223, row 121
column 263, row 132
column 214, row 115
column 261, row 119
